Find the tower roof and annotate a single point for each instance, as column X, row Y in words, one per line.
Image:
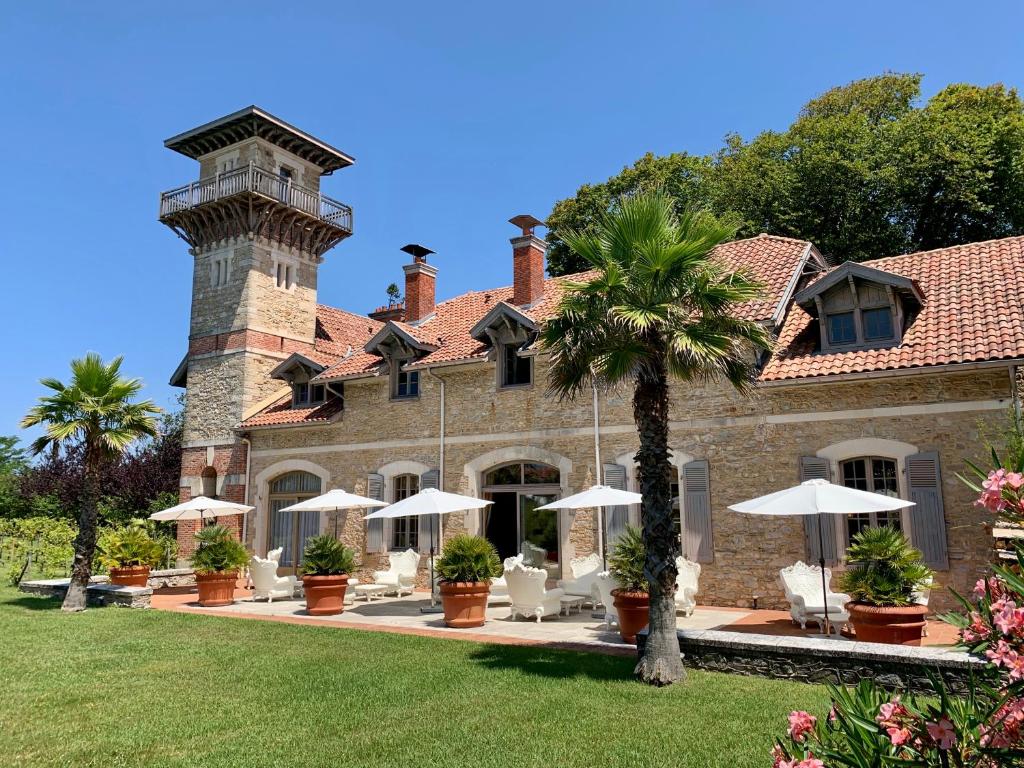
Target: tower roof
column 253, row 122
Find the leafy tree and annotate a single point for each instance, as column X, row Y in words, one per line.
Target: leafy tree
column 394, row 295
column 96, row 412
column 863, row 172
column 657, row 307
column 13, row 463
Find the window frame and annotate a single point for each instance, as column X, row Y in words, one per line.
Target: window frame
column 872, row 517
column 511, row 350
column 852, row 315
column 892, row 323
column 402, row 487
column 396, row 382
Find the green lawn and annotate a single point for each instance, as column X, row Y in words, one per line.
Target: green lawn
column 115, row 687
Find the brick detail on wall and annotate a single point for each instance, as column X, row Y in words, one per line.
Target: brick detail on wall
column 527, row 270
column 245, row 339
column 229, row 463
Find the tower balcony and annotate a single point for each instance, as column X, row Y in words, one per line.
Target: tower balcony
column 255, row 201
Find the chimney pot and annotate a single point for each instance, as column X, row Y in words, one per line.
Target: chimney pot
column 527, row 262
column 420, row 283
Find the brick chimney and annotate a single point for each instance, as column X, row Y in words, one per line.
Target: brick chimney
column 420, row 280
column 527, row 262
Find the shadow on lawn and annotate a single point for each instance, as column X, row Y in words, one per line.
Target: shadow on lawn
column 554, row 663
column 33, row 603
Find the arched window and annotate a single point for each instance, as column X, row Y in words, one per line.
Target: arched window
column 876, row 474
column 290, row 530
column 404, row 530
column 513, row 523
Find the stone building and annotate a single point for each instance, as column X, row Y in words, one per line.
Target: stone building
column 886, row 375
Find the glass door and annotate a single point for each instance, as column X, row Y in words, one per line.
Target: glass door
column 539, row 532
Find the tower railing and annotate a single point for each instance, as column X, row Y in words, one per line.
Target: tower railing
column 258, row 180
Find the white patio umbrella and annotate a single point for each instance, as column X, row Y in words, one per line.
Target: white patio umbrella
column 820, row 497
column 429, row 501
column 599, row 496
column 334, row 500
column 201, row 508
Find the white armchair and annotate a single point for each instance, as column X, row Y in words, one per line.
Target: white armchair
column 401, row 573
column 603, row 586
column 802, row 584
column 265, row 581
column 584, row 575
column 499, row 587
column 527, row 593
column 687, row 579
column 920, row 597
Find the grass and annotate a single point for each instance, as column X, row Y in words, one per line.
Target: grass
column 114, row 687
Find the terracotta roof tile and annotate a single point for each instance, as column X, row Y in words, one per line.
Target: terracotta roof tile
column 282, row 413
column 337, row 330
column 769, row 259
column 973, row 311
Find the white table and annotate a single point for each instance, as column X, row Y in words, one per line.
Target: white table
column 837, row 617
column 568, row 602
column 370, row 591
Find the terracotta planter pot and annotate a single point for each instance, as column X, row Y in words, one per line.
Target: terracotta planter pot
column 325, row 595
column 896, row 626
column 130, row 576
column 465, row 603
column 634, row 609
column 216, row 588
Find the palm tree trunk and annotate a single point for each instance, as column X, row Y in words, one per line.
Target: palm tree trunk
column 661, row 663
column 85, row 541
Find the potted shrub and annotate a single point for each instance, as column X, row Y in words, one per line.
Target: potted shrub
column 128, row 554
column 631, row 599
column 884, row 573
column 217, row 561
column 326, row 564
column 466, row 567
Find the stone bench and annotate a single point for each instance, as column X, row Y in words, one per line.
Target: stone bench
column 98, row 594
column 819, row 660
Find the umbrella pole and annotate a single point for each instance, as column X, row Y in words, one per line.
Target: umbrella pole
column 821, row 562
column 433, row 605
column 601, row 538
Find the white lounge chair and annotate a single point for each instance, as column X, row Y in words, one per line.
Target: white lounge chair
column 687, row 581
column 603, row 586
column 265, row 581
column 401, row 573
column 527, row 593
column 584, row 575
column 802, row 584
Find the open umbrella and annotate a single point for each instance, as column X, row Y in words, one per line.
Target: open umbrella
column 820, row 497
column 599, row 496
column 201, row 508
column 429, row 501
column 334, row 500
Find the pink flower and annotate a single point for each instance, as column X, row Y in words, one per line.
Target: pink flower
column 1015, row 480
column 1009, row 619
column 992, row 500
column 943, row 733
column 898, row 736
column 996, row 480
column 810, row 762
column 979, row 589
column 800, row 724
column 891, row 712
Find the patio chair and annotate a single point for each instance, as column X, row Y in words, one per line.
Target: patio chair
column 265, row 581
column 687, row 578
column 401, row 573
column 533, row 555
column 584, row 574
column 499, row 588
column 802, row 585
column 527, row 592
column 920, row 597
column 603, row 586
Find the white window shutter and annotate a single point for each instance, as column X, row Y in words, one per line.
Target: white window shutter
column 615, row 518
column 375, row 528
column 698, row 543
column 428, row 523
column 927, row 517
column 817, row 468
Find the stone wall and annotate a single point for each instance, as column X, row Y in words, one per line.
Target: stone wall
column 97, row 595
column 753, row 446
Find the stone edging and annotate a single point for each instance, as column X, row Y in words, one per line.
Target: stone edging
column 817, row 660
column 98, row 594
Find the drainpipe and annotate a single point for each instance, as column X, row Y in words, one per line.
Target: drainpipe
column 597, row 470
column 245, row 495
column 440, row 461
column 1014, row 394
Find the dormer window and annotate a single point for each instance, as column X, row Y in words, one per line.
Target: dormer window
column 305, row 394
column 405, row 384
column 508, row 332
column 399, row 346
column 859, row 307
column 517, row 370
column 299, row 371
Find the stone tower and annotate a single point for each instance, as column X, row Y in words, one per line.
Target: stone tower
column 257, row 228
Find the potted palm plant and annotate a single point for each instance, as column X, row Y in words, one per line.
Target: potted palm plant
column 326, row 564
column 466, row 567
column 632, row 597
column 128, row 554
column 217, row 561
column 884, row 574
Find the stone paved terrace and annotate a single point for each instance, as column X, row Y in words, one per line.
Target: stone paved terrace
column 580, row 630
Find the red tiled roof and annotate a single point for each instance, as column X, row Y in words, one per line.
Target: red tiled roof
column 281, row 413
column 973, row 311
column 772, row 261
column 337, row 330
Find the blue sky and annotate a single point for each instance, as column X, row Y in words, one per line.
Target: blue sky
column 459, row 115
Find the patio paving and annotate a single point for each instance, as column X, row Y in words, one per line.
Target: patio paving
column 579, row 630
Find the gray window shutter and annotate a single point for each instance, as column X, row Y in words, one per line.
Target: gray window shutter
column 375, row 528
column 615, row 518
column 816, row 468
column 698, row 543
column 927, row 518
column 428, row 523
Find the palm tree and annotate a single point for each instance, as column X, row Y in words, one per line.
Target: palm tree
column 95, row 411
column 657, row 305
